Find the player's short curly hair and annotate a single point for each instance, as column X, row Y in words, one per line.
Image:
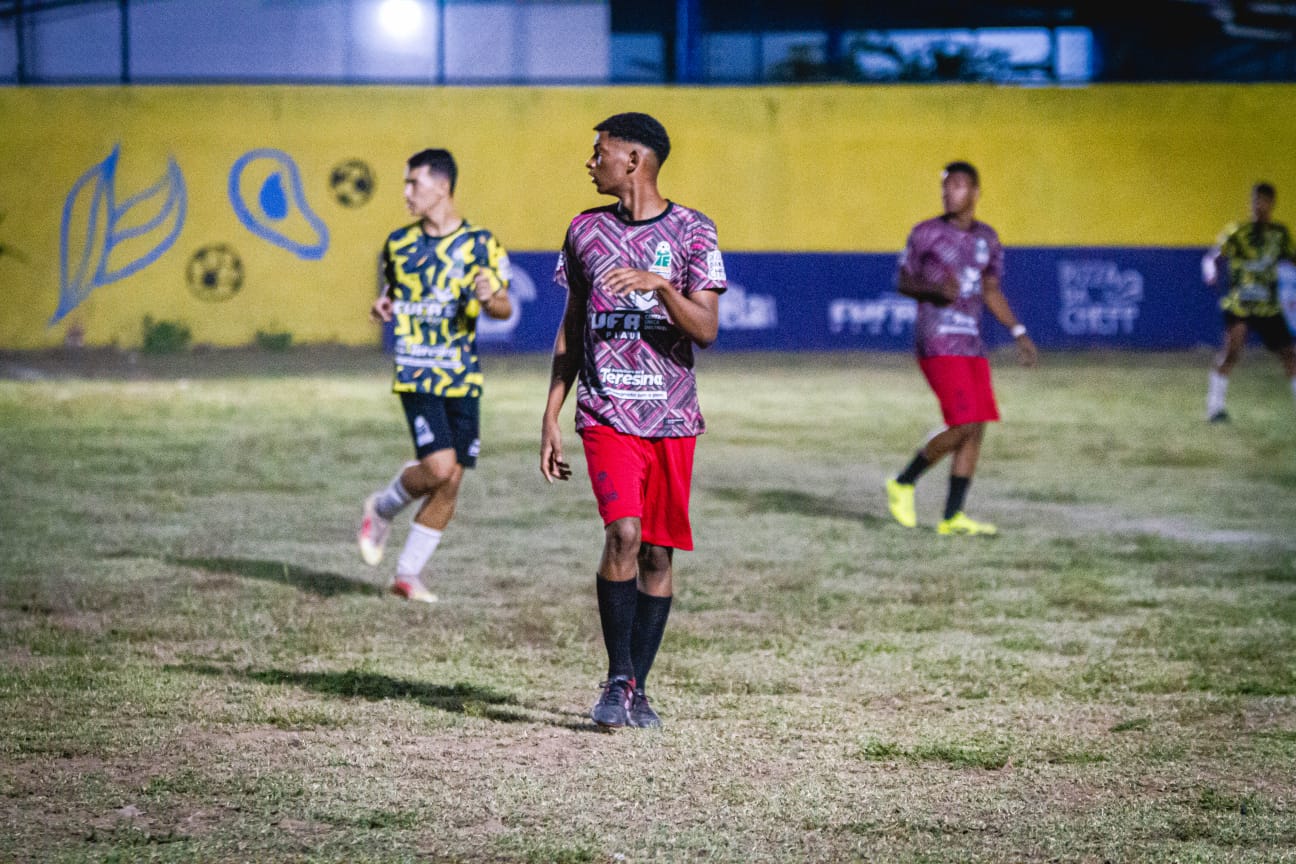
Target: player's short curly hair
column 438, row 162
column 961, row 167
column 639, row 128
column 1265, row 190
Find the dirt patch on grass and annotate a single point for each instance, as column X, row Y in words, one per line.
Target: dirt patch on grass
column 1092, row 519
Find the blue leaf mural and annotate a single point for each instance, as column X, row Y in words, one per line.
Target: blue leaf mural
column 101, row 241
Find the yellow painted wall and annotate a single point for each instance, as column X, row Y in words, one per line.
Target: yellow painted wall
column 830, row 168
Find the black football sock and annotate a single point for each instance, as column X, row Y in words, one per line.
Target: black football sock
column 910, row 475
column 617, row 602
column 958, row 488
column 649, row 625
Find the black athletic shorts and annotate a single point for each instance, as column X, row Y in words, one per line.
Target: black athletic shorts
column 438, row 423
column 1272, row 329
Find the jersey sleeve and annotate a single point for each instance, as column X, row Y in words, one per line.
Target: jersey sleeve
column 569, row 273
column 1228, row 241
column 1288, row 245
column 706, row 270
column 995, row 267
column 387, row 267
column 489, row 257
column 910, row 259
column 494, row 260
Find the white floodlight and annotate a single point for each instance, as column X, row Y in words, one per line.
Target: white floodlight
column 400, row 19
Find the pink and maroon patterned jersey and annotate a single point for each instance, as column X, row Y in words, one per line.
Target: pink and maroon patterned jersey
column 637, row 374
column 936, row 248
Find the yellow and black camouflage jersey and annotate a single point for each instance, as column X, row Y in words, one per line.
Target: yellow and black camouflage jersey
column 1253, row 250
column 430, row 282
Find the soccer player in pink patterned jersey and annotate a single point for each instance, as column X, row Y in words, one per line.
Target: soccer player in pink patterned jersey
column 952, row 265
column 643, row 278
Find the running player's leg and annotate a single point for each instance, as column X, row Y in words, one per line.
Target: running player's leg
column 1235, row 332
column 436, row 478
column 450, row 447
column 377, row 513
column 1288, row 358
column 1277, row 337
column 380, row 508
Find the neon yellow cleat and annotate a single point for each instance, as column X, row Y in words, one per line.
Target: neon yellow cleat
column 961, row 525
column 900, row 498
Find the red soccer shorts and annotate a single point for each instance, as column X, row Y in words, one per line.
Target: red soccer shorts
column 646, row 478
column 962, row 384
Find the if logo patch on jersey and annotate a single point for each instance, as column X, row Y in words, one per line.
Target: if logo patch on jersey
column 662, row 260
column 715, row 266
column 422, row 432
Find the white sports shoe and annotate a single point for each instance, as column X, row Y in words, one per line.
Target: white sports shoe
column 373, row 533
column 412, row 588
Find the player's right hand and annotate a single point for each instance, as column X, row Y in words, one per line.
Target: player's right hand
column 381, row 310
column 948, row 290
column 552, row 465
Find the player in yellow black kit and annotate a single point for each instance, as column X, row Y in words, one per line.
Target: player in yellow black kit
column 1248, row 256
column 441, row 274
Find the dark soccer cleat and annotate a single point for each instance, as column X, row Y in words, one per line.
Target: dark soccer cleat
column 1220, row 416
column 612, row 710
column 642, row 714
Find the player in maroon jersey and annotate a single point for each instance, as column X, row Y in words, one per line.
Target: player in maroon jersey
column 644, row 277
column 952, row 265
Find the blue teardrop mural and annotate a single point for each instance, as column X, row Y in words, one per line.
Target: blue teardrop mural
column 267, row 194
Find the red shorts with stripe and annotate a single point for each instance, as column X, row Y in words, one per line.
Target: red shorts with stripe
column 962, row 384
column 645, row 478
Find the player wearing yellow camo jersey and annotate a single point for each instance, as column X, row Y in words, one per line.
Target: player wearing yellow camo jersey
column 1246, row 256
column 441, row 274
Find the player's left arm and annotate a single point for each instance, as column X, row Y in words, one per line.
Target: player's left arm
column 491, row 282
column 997, row 303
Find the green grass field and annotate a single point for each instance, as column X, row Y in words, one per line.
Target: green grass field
column 196, row 666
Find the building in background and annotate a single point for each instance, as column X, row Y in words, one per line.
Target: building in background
column 619, row 41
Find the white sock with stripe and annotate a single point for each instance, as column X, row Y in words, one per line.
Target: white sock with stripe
column 393, row 499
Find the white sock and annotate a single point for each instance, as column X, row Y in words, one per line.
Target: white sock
column 1216, row 392
column 1293, row 383
column 393, row 499
column 419, row 546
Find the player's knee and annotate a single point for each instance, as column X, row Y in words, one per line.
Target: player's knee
column 653, row 558
column 437, row 470
column 623, row 538
column 654, row 564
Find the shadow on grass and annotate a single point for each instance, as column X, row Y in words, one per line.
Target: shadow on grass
column 314, row 581
column 460, row 698
column 792, row 501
